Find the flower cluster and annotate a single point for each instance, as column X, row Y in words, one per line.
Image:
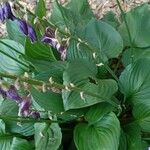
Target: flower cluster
column 24, row 103
column 5, row 12
column 50, row 38
column 26, row 29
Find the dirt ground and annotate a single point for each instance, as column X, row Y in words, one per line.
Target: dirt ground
column 99, row 7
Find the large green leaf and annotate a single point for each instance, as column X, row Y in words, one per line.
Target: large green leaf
column 7, row 64
column 5, row 140
column 82, row 74
column 106, row 41
column 14, row 33
column 135, row 85
column 103, row 135
column 81, row 12
column 38, row 51
column 111, row 18
column 131, row 55
column 133, row 137
column 49, row 100
column 97, row 112
column 20, row 144
column 74, row 15
column 47, row 136
column 138, row 20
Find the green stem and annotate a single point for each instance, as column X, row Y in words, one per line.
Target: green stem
column 72, row 37
column 55, row 85
column 14, row 59
column 27, row 120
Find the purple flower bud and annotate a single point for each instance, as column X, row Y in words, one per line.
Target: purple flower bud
column 52, row 41
column 23, row 26
column 24, row 106
column 7, row 12
column 13, row 94
column 1, row 13
column 35, row 114
column 32, row 34
column 27, row 30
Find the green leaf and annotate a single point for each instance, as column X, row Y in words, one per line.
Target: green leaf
column 20, row 144
column 81, row 12
column 75, row 51
column 14, row 32
column 103, row 38
column 49, row 100
column 40, row 65
column 97, row 112
column 40, row 10
column 55, row 71
column 7, row 64
column 135, row 85
column 47, row 136
column 138, row 26
column 133, row 137
column 5, row 140
column 74, row 15
column 62, row 17
column 134, row 54
column 110, row 18
column 123, row 141
column 39, row 51
column 10, row 108
column 103, row 135
column 82, row 74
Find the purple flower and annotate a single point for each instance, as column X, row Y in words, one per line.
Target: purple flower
column 6, row 12
column 55, row 44
column 52, row 41
column 23, row 26
column 35, row 114
column 13, row 94
column 27, row 30
column 32, row 33
column 24, row 106
column 1, row 13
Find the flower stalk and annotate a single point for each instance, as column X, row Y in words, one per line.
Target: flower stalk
column 55, row 85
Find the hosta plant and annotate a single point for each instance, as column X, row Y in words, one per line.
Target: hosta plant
column 72, row 81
